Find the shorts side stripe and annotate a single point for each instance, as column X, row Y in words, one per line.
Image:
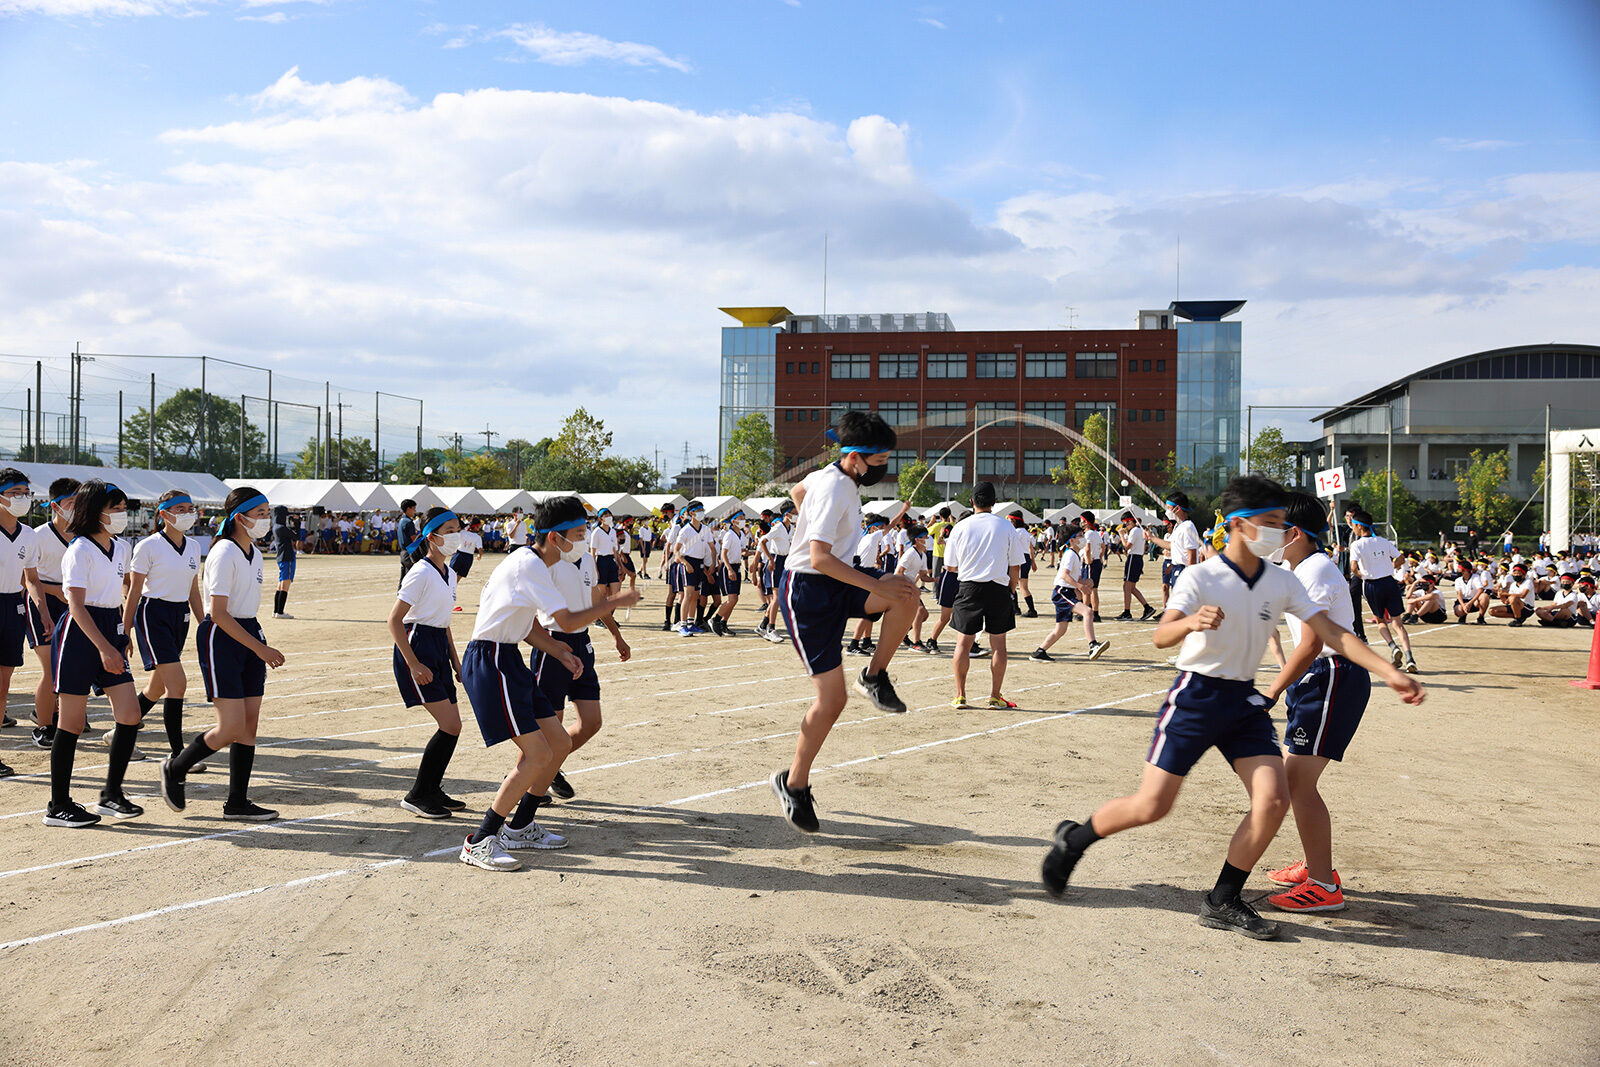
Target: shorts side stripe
column 1327, row 705
column 1167, row 711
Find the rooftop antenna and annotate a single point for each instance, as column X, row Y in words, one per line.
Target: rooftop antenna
column 1072, row 317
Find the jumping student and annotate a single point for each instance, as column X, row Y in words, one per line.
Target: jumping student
column 1070, row 595
column 163, row 595
column 1133, row 569
column 468, row 548
column 913, row 567
column 89, row 651
column 821, row 592
column 283, row 542
column 603, row 546
column 18, row 579
column 1222, row 611
column 1373, row 558
column 47, row 609
column 1326, row 696
column 730, row 559
column 984, row 551
column 425, row 657
column 234, row 657
column 1025, row 544
column 572, row 574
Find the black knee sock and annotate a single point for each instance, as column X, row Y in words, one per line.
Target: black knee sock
column 492, row 821
column 435, row 758
column 198, row 750
column 279, row 599
column 677, row 612
column 172, row 719
column 145, row 704
column 1230, row 883
column 1030, row 603
column 122, row 738
column 241, row 759
column 1083, row 835
column 63, row 750
column 668, row 618
column 526, row 811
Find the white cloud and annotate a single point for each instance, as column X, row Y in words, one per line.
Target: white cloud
column 935, row 23
column 1467, row 144
column 572, row 48
column 76, row 8
column 275, row 18
column 323, row 98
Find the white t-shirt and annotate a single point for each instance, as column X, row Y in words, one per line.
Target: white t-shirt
column 1373, row 556
column 516, row 592
column 697, row 545
column 470, row 542
column 1521, row 587
column 169, row 570
column 831, row 513
column 732, row 548
column 1250, row 614
column 1093, row 545
column 575, row 582
column 913, row 564
column 982, row 548
column 1024, row 542
column 97, row 572
column 1328, row 590
column 1134, row 539
column 48, row 547
column 517, row 534
column 1070, row 573
column 432, row 595
column 870, row 548
column 1185, row 539
column 603, row 542
column 1467, row 589
column 18, row 552
column 778, row 540
column 235, row 575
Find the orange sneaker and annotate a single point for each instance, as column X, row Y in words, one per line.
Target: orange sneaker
column 1309, row 896
column 1293, row 874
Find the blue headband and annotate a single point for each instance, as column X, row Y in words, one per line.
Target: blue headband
column 433, row 524
column 1315, row 535
column 562, row 527
column 1249, row 513
column 174, row 502
column 65, row 496
column 864, row 450
column 11, row 485
column 249, row 505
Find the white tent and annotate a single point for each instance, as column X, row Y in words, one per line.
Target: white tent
column 1011, row 507
column 656, row 501
column 424, row 496
column 502, row 501
column 768, row 503
column 887, row 508
column 622, row 505
column 301, row 493
column 539, row 496
column 142, row 485
column 369, row 496
column 720, row 507
column 1070, row 513
column 463, row 500
column 957, row 508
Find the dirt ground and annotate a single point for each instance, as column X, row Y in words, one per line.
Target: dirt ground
column 688, row 924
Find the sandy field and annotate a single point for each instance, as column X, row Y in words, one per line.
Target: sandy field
column 688, row 924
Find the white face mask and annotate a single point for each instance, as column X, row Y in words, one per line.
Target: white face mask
column 116, row 521
column 449, row 543
column 258, row 527
column 1268, row 540
column 573, row 553
column 606, row 522
column 18, row 505
column 183, row 521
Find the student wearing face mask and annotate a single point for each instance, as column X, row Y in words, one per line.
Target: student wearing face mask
column 1182, row 545
column 283, row 540
column 730, row 559
column 18, row 579
column 425, row 657
column 163, row 595
column 696, row 548
column 1070, row 595
column 603, row 546
column 49, row 606
column 1222, row 612
column 234, row 657
column 89, row 651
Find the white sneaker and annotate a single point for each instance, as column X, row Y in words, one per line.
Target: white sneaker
column 1098, row 649
column 281, row 615
column 489, row 855
column 775, row 636
column 531, row 836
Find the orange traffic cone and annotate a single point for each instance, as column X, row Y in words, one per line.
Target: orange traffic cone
column 1593, row 681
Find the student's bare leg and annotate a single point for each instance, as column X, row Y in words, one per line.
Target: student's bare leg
column 533, row 753
column 558, row 742
column 894, row 625
column 44, row 694
column 831, row 697
column 944, row 620
column 1311, row 816
column 1157, row 791
column 587, row 725
column 1265, row 782
column 1405, row 638
column 962, row 661
column 1057, row 633
column 997, row 664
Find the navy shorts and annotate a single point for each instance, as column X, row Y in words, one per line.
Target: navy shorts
column 1200, row 712
column 461, row 563
column 675, row 577
column 816, row 609
column 697, row 577
column 286, row 568
column 1169, row 575
column 162, row 629
column 1094, row 572
column 1384, row 597
column 1064, row 600
column 500, row 686
column 432, row 646
column 728, row 581
column 778, row 563
column 58, row 611
column 13, row 628
column 626, row 563
column 1325, row 707
column 75, row 663
column 1026, row 568
column 1133, row 568
column 556, row 682
column 945, row 588
column 231, row 671
column 605, row 570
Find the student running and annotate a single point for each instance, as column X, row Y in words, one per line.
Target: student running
column 1133, row 539
column 1373, row 558
column 1070, row 595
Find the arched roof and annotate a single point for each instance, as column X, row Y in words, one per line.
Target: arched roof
column 1519, row 362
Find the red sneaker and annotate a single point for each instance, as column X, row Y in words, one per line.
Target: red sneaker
column 1293, row 874
column 1309, row 896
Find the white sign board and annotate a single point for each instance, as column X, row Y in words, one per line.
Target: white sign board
column 1330, row 482
column 1460, row 529
column 947, row 473
column 1125, row 501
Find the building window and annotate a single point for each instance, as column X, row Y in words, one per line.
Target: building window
column 1037, row 463
column 1046, row 365
column 1146, row 416
column 1096, row 365
column 816, row 414
column 997, row 364
column 788, row 368
column 837, row 409
column 947, row 364
column 898, row 459
column 1161, row 414
column 788, row 414
column 1054, row 410
column 898, row 412
column 852, row 366
column 1133, row 365
column 956, row 459
column 1147, row 365
column 947, row 413
column 1144, row 464
column 997, row 462
column 988, row 410
column 1084, row 408
column 897, row 365
column 1161, row 365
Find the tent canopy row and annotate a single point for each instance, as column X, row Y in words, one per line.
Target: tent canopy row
column 139, row 484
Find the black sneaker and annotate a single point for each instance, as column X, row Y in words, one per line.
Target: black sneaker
column 855, row 649
column 1149, row 613
column 1236, row 915
column 119, row 807
column 562, row 788
column 931, row 647
column 249, row 811
column 1097, row 617
column 5, row 770
column 1059, row 861
column 1041, row 656
column 666, row 627
column 878, row 689
column 171, row 786
column 445, row 800
column 44, row 736
column 69, row 815
column 979, row 652
column 798, row 810
column 908, row 643
column 1515, row 622
column 1126, row 616
column 426, row 807
column 7, row 721
column 1031, row 613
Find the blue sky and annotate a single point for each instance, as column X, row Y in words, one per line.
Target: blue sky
column 373, row 190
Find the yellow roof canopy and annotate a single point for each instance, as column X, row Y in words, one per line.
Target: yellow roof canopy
column 758, row 316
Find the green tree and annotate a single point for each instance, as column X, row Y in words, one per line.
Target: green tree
column 348, row 461
column 583, row 441
column 1085, row 471
column 481, row 471
column 410, row 472
column 177, row 437
column 1270, row 456
column 752, row 449
column 1369, row 493
column 1481, row 485
column 918, row 496
column 49, row 453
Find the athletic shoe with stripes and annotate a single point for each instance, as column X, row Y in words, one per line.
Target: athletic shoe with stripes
column 171, row 786
column 1309, row 896
column 5, row 770
column 796, row 805
column 1236, row 915
column 488, row 854
column 44, row 736
column 531, row 836
column 119, row 807
column 878, row 689
column 69, row 815
column 1098, row 649
column 1293, row 874
column 249, row 811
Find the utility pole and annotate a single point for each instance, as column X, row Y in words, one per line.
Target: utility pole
column 326, row 433
column 241, row 436
column 488, row 437
column 205, row 410
column 150, row 451
column 339, row 456
column 377, row 438
column 119, row 427
column 38, row 413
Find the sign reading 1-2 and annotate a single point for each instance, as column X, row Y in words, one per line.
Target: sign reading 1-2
column 1330, row 482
